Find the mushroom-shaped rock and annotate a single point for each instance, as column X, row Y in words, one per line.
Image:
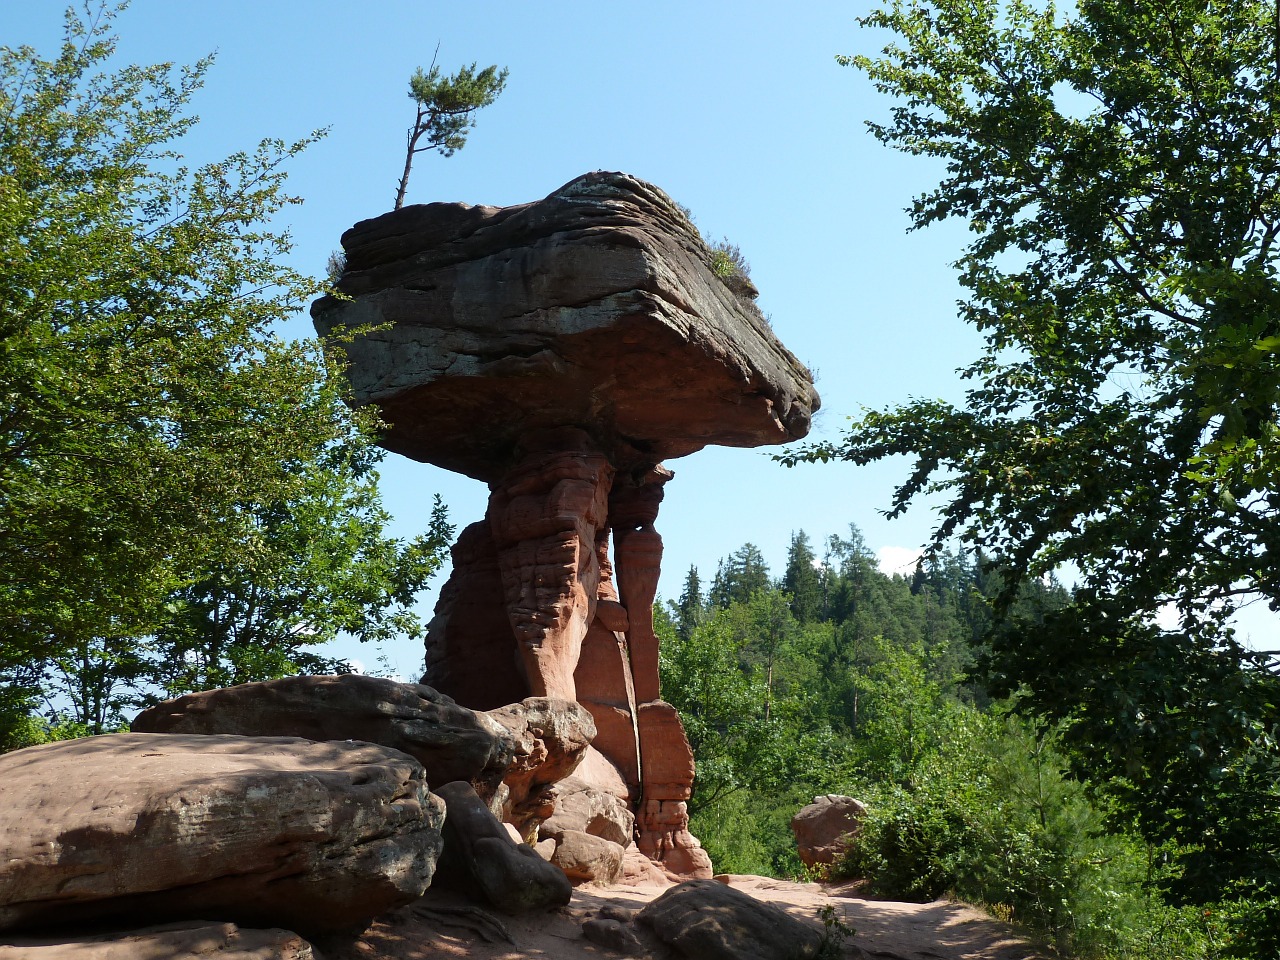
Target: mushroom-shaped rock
column 486, row 324
column 559, row 351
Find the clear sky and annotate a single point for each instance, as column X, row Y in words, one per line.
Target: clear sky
column 738, row 110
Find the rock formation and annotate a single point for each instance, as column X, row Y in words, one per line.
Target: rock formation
column 190, row 938
column 559, row 351
column 481, row 859
column 451, row 742
column 270, row 832
column 823, row 828
column 707, row 920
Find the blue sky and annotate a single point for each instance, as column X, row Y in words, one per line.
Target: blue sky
column 738, row 110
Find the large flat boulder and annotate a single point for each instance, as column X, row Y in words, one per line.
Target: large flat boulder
column 450, row 741
column 264, row 832
column 192, row 938
column 488, row 323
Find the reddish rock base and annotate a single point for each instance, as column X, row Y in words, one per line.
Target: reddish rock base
column 568, row 632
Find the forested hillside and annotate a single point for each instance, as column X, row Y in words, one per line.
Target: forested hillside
column 833, row 677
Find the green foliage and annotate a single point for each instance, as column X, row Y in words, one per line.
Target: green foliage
column 834, row 933
column 446, row 108
column 1118, row 164
column 159, row 444
column 868, row 698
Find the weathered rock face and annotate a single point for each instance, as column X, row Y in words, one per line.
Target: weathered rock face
column 268, row 832
column 823, row 828
column 707, row 920
column 551, row 738
column 559, row 350
column 451, row 742
column 193, row 938
column 568, row 311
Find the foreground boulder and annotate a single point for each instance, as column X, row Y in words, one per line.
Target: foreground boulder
column 823, row 828
column 708, row 920
column 263, row 832
column 195, row 938
column 451, row 742
column 481, row 859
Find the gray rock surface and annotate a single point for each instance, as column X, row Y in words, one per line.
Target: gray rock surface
column 451, row 742
column 481, row 858
column 185, row 939
column 143, row 828
column 707, row 920
column 495, row 322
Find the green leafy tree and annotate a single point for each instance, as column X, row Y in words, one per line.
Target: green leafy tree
column 446, row 110
column 1119, row 166
column 151, row 420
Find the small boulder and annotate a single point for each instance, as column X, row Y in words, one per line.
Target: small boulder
column 639, row 871
column 551, row 738
column 588, row 859
column 823, row 828
column 451, row 742
column 706, row 920
column 582, row 807
column 481, row 859
column 263, row 832
column 194, row 938
column 613, row 935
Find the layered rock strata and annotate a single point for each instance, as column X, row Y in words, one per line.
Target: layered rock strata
column 451, row 742
column 263, row 832
column 559, row 351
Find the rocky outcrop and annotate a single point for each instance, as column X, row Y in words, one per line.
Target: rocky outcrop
column 481, row 859
column 451, row 742
column 707, row 920
column 266, row 832
column 551, row 738
column 192, row 938
column 559, row 351
column 823, row 828
column 595, row 307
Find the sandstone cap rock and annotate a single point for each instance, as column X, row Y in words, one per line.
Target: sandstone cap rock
column 596, row 307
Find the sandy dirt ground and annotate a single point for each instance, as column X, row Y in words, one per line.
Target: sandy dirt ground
column 443, row 925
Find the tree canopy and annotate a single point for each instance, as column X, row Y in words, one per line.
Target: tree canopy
column 156, row 435
column 1118, row 165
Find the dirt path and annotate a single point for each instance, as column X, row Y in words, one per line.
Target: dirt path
column 445, row 926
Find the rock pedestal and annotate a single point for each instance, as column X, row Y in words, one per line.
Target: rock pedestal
column 559, row 351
